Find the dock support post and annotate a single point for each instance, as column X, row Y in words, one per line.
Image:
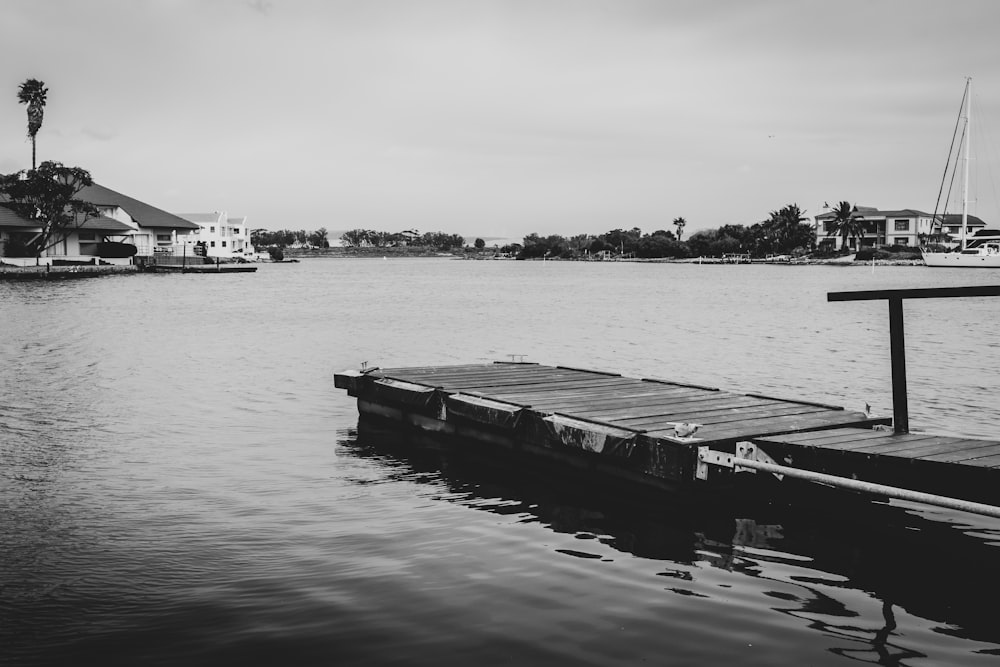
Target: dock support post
column 900, row 413
column 897, row 351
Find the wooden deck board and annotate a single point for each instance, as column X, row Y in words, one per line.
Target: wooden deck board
column 659, row 409
column 968, row 456
column 831, row 437
column 918, row 448
column 781, row 425
column 716, row 417
column 610, row 403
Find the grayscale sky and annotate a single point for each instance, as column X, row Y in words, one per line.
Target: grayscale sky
column 498, row 118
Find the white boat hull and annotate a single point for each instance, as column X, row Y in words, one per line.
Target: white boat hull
column 962, row 260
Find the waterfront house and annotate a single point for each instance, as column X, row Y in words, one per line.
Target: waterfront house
column 14, row 228
column 224, row 237
column 950, row 225
column 79, row 244
column 153, row 231
column 901, row 227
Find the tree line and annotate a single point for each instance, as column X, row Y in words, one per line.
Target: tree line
column 377, row 239
column 265, row 238
column 785, row 231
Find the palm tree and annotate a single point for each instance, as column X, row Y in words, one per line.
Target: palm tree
column 33, row 93
column 680, row 223
column 845, row 224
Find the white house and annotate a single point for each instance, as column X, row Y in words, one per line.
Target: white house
column 224, row 237
column 892, row 227
column 153, row 231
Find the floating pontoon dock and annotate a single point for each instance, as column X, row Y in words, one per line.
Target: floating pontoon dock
column 638, row 429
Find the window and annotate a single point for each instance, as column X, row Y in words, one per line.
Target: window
column 88, row 236
column 211, row 230
column 901, row 240
column 163, row 237
column 236, row 231
column 902, row 225
column 213, row 243
column 223, row 244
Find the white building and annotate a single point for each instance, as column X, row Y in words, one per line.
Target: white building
column 153, row 231
column 224, row 237
column 901, row 227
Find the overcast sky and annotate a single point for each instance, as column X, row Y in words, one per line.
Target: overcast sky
column 499, row 118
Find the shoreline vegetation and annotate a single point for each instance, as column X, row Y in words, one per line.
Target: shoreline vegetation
column 893, row 259
column 786, row 236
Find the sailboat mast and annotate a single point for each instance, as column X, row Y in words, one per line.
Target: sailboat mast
column 965, row 177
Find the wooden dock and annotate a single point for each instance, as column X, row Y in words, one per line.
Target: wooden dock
column 641, row 430
column 627, row 428
column 621, row 425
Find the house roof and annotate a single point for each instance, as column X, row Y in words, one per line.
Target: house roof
column 104, row 224
column 141, row 212
column 202, row 217
column 9, row 218
column 872, row 212
column 904, row 213
column 956, row 219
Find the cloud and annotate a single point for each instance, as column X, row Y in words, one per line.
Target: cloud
column 261, row 6
column 98, row 134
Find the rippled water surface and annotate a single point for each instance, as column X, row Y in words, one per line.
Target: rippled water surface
column 181, row 483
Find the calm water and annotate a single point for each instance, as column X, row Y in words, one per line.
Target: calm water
column 181, row 483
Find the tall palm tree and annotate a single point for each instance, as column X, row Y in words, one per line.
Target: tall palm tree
column 33, row 93
column 845, row 224
column 680, row 223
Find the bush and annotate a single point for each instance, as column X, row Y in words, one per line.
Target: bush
column 887, row 252
column 277, row 254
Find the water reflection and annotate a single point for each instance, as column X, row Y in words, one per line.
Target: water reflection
column 845, row 571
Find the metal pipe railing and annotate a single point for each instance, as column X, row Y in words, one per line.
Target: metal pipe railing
column 872, row 487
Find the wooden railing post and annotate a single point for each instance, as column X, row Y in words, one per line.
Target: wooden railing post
column 897, row 353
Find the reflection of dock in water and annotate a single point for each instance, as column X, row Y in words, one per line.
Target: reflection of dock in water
column 812, row 556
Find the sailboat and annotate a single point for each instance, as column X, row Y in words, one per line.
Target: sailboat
column 983, row 249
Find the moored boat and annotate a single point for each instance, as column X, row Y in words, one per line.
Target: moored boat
column 982, row 251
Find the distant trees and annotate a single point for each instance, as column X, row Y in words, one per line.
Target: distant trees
column 33, row 93
column 717, row 242
column 318, row 239
column 442, row 241
column 785, row 231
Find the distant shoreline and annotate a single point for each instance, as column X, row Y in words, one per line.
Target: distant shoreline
column 404, row 252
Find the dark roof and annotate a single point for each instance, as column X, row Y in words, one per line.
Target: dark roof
column 142, row 213
column 872, row 212
column 956, row 219
column 9, row 218
column 103, row 224
column 905, row 213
